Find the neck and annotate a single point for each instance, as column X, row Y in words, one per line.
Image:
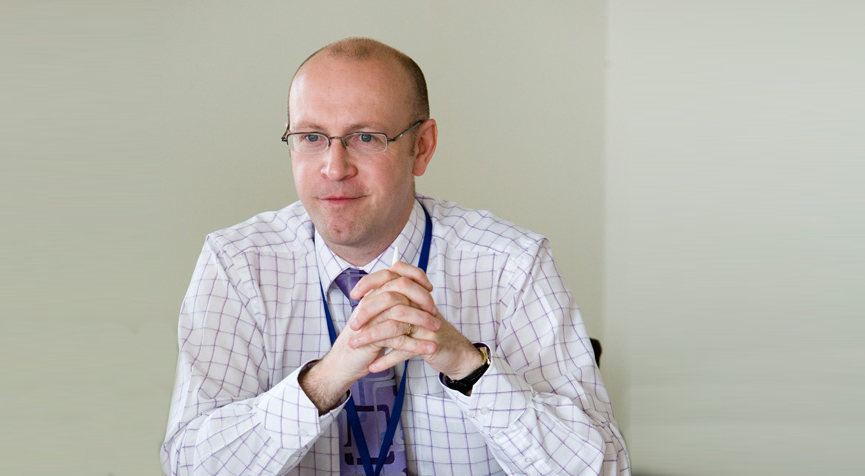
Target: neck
column 359, row 256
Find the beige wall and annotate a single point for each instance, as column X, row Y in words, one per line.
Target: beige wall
column 139, row 129
column 735, row 238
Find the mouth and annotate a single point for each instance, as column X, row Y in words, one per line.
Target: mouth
column 338, row 199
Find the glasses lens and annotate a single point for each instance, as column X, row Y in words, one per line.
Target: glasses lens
column 307, row 143
column 367, row 142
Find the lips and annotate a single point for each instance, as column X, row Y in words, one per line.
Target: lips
column 339, row 199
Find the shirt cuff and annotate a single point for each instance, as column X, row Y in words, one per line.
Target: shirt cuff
column 288, row 414
column 498, row 399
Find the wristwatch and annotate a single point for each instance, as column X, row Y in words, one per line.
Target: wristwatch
column 465, row 384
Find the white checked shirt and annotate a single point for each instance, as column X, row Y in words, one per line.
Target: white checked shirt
column 253, row 317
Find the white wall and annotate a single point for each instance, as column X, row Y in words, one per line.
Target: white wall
column 734, row 234
column 136, row 130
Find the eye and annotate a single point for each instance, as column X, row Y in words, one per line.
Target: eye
column 366, row 142
column 311, row 137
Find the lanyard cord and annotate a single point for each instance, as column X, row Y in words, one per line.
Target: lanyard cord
column 350, row 409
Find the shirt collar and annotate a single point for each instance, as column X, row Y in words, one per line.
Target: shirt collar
column 408, row 242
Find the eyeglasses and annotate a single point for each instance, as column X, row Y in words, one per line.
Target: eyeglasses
column 361, row 142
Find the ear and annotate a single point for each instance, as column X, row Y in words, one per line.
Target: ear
column 424, row 146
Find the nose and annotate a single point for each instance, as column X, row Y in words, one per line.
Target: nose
column 337, row 164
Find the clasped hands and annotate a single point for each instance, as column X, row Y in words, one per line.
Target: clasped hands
column 396, row 311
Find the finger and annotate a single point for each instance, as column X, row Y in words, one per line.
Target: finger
column 375, row 304
column 400, row 354
column 412, row 272
column 394, row 305
column 386, row 361
column 372, row 281
column 382, row 329
column 412, row 290
column 379, row 278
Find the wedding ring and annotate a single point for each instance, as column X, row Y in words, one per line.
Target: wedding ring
column 410, row 328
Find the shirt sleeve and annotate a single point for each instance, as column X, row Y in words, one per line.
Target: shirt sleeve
column 542, row 406
column 226, row 416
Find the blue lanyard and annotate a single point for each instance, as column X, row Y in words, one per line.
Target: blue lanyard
column 350, row 409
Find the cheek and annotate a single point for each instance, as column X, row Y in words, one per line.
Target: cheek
column 396, row 174
column 301, row 174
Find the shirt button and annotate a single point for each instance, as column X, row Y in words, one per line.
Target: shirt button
column 529, row 461
column 485, row 411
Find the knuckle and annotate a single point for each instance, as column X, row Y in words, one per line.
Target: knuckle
column 391, row 314
column 394, row 298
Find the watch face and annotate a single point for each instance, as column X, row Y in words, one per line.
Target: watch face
column 486, row 353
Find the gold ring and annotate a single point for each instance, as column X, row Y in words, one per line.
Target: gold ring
column 410, row 328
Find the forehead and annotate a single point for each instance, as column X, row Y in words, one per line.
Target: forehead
column 333, row 92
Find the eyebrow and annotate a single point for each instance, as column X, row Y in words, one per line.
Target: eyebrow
column 358, row 127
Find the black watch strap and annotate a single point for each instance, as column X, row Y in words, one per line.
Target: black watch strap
column 465, row 384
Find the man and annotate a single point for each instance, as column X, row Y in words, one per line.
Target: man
column 500, row 378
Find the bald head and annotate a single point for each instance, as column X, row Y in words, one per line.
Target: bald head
column 366, row 49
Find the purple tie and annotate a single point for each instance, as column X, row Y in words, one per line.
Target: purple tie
column 374, row 397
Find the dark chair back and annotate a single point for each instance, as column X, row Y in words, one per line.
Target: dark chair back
column 596, row 346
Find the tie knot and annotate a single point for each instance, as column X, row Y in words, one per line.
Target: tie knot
column 347, row 280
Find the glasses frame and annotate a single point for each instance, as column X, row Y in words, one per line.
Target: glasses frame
column 388, row 140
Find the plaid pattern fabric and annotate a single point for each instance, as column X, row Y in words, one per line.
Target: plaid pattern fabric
column 253, row 318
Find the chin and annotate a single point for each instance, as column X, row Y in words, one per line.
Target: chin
column 342, row 235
